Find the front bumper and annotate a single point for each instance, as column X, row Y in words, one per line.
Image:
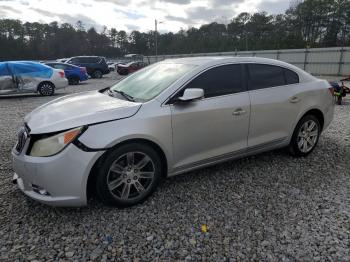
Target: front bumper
column 63, row 177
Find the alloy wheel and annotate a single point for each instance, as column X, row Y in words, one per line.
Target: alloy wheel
column 46, row 89
column 131, row 175
column 307, row 136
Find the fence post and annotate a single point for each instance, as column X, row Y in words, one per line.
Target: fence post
column 342, row 50
column 306, row 58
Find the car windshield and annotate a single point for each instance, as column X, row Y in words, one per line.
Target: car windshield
column 148, row 83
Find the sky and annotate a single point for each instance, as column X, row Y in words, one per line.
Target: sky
column 129, row 15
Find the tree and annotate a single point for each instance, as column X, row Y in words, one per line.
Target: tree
column 313, row 23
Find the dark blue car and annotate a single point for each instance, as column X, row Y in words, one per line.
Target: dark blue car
column 74, row 74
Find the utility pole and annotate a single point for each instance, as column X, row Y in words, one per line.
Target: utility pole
column 155, row 38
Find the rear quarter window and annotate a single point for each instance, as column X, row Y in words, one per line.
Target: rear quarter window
column 291, row 77
column 59, row 66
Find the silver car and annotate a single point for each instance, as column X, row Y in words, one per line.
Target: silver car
column 169, row 118
column 18, row 77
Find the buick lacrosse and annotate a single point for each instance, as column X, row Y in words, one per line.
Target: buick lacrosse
column 166, row 119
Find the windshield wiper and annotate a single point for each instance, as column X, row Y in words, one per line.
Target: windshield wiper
column 125, row 95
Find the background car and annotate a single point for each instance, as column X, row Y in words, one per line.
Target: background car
column 74, row 74
column 112, row 66
column 130, row 67
column 62, row 60
column 96, row 66
column 28, row 77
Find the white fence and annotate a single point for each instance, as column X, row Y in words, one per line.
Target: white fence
column 333, row 61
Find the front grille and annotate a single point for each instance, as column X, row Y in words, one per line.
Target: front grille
column 22, row 138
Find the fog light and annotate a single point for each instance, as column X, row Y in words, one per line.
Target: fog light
column 39, row 190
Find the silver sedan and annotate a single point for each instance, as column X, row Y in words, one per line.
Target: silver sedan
column 169, row 118
column 18, row 77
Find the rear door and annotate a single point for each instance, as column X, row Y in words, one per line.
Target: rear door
column 274, row 93
column 215, row 126
column 7, row 83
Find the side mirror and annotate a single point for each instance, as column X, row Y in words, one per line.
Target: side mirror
column 191, row 94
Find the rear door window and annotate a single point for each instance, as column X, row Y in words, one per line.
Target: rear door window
column 262, row 76
column 86, row 60
column 94, row 59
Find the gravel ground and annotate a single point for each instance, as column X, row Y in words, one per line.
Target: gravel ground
column 269, row 207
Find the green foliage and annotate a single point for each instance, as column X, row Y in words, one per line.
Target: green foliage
column 309, row 23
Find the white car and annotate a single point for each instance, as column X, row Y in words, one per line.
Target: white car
column 62, row 60
column 30, row 77
column 166, row 119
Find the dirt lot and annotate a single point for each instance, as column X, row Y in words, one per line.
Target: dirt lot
column 269, row 207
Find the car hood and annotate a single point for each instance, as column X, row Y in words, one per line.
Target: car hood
column 78, row 110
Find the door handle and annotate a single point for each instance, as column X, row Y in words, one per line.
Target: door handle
column 294, row 99
column 238, row 112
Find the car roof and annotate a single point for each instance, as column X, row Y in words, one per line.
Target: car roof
column 60, row 63
column 25, row 63
column 88, row 56
column 130, row 63
column 207, row 61
column 202, row 60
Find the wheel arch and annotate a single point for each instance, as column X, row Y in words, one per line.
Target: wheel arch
column 91, row 181
column 317, row 113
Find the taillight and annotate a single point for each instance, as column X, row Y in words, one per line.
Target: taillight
column 83, row 69
column 61, row 73
column 331, row 90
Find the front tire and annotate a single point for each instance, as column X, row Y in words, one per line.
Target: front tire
column 128, row 175
column 46, row 89
column 305, row 136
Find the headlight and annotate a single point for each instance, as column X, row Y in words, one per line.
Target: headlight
column 52, row 145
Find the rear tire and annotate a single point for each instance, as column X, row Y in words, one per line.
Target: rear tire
column 97, row 74
column 73, row 80
column 46, row 89
column 128, row 175
column 305, row 136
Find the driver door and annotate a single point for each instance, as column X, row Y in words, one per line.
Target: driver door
column 215, row 127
